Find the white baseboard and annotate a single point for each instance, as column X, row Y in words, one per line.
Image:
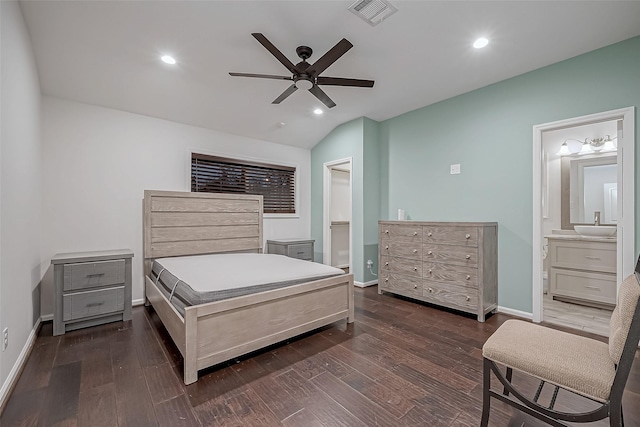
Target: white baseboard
column 46, row 317
column 517, row 313
column 12, row 379
column 365, row 284
column 137, row 302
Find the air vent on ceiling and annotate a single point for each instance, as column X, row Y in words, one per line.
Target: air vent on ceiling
column 373, row 11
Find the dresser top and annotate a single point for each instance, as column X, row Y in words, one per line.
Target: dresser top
column 72, row 257
column 469, row 224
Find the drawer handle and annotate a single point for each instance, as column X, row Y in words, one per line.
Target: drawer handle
column 415, row 233
column 415, row 268
column 95, row 304
column 386, row 263
column 386, row 280
column 300, row 253
column 430, row 253
column 468, row 257
column 467, row 236
column 592, row 257
column 429, row 234
column 415, row 251
column 467, row 298
column 415, row 286
column 592, row 287
column 386, row 247
column 430, row 290
column 95, row 275
column 386, row 231
column 430, row 271
column 468, row 277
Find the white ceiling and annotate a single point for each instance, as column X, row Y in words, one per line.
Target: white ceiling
column 107, row 53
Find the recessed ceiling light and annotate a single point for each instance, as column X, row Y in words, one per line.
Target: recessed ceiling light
column 318, row 111
column 167, row 59
column 480, row 43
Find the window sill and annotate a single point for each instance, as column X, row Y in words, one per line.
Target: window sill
column 280, row 216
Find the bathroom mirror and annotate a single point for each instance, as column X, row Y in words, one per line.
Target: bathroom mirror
column 589, row 185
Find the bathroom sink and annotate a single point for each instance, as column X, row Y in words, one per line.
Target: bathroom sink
column 595, row 230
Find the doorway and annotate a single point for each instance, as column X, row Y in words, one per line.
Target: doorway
column 337, row 214
column 565, row 262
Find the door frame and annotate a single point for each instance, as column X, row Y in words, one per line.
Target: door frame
column 626, row 175
column 326, row 209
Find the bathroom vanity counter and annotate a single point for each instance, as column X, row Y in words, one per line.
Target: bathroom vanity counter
column 583, row 269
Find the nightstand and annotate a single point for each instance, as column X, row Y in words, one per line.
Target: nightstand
column 91, row 288
column 294, row 248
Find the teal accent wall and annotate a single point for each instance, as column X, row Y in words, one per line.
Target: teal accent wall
column 359, row 140
column 489, row 133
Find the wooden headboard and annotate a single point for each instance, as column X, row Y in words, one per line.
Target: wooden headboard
column 177, row 223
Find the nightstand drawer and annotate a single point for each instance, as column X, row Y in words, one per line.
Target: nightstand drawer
column 301, row 251
column 93, row 274
column 79, row 305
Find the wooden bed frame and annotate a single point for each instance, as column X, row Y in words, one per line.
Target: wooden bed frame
column 179, row 224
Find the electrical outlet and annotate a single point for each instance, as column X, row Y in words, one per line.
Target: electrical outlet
column 5, row 339
column 369, row 263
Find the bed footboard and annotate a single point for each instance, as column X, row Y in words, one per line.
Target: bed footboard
column 218, row 331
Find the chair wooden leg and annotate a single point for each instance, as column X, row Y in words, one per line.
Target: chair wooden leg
column 486, row 397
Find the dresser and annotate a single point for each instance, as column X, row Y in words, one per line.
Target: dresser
column 294, row 248
column 583, row 269
column 451, row 264
column 91, row 288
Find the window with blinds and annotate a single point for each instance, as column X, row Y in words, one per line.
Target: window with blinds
column 212, row 174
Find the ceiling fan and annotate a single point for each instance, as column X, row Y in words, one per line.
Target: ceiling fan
column 305, row 75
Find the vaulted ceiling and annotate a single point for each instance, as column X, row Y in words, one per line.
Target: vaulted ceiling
column 107, row 53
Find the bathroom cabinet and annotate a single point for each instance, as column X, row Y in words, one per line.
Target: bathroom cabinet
column 583, row 270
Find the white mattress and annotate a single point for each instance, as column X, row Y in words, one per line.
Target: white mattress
column 194, row 280
column 206, row 273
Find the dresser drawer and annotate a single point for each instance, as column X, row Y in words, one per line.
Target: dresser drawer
column 401, row 265
column 464, row 236
column 406, row 233
column 454, row 255
column 591, row 256
column 301, row 251
column 79, row 305
column 599, row 287
column 397, row 283
column 451, row 295
column 93, row 274
column 411, row 250
column 463, row 276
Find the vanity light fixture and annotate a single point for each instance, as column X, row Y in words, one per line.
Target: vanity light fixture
column 588, row 146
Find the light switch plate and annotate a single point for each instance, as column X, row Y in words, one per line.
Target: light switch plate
column 455, row 169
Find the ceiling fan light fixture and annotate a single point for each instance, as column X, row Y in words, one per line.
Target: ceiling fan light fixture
column 304, row 84
column 318, row 111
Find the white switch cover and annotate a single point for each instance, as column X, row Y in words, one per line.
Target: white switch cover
column 455, row 169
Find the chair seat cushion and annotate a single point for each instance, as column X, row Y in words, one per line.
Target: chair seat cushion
column 576, row 363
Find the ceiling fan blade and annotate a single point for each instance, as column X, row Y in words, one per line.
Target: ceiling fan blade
column 340, row 81
column 261, row 76
column 319, row 93
column 275, row 52
column 330, row 57
column 285, row 94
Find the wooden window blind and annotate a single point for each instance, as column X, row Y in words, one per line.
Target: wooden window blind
column 212, row 174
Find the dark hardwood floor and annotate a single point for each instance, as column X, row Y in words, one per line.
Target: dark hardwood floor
column 400, row 364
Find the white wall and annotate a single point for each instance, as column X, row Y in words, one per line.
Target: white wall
column 99, row 161
column 20, row 186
